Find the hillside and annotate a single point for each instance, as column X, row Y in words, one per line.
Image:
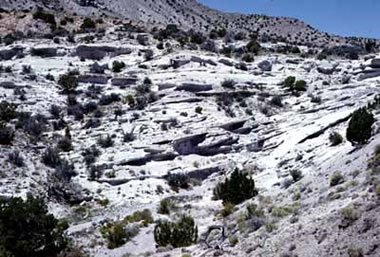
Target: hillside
column 189, row 14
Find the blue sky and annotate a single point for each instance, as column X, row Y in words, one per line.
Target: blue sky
column 341, row 17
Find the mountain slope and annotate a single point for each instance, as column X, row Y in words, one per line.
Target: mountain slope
column 189, row 14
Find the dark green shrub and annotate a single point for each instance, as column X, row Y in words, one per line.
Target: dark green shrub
column 289, row 82
column 105, row 141
column 296, row 175
column 336, row 179
column 178, row 180
column 166, row 205
column 360, row 126
column 177, row 234
column 118, row 66
column 128, row 137
column 118, row 233
column 130, row 100
column 335, row 138
column 235, row 189
column 26, row 229
column 228, row 209
column 51, row 157
column 277, row 101
column 88, row 24
column 253, row 47
column 95, row 172
column 198, row 109
column 143, row 88
column 248, row 58
column 46, row 17
column 6, row 134
column 65, row 144
column 115, row 234
column 7, row 111
column 9, row 39
column 229, row 84
column 90, row 154
column 68, row 83
column 300, row 85
column 16, row 158
column 144, row 216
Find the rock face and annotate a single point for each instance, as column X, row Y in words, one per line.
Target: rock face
column 99, row 52
column 369, row 74
column 164, row 86
column 177, row 63
column 218, row 146
column 202, row 61
column 123, row 82
column 8, row 54
column 202, row 174
column 226, row 62
column 237, row 127
column 93, row 79
column 192, row 145
column 97, row 68
column 265, row 65
column 327, row 68
column 44, row 52
column 370, row 71
column 8, row 85
column 375, row 63
column 193, row 87
column 188, row 145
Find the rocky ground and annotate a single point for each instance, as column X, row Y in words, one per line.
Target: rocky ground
column 203, row 114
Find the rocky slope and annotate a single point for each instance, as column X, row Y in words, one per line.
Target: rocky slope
column 189, row 14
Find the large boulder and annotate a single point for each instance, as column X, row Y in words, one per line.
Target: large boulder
column 194, row 87
column 44, row 52
column 202, row 61
column 368, row 74
column 234, row 125
column 97, row 68
column 218, row 145
column 123, row 82
column 327, row 68
column 93, row 79
column 265, row 65
column 177, row 63
column 8, row 54
column 188, row 145
column 375, row 63
column 164, row 86
column 226, row 62
column 99, row 52
column 7, row 85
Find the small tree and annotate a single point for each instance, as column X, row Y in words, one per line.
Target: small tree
column 360, row 126
column 68, row 83
column 7, row 111
column 88, row 24
column 235, row 189
column 118, row 66
column 177, row 234
column 6, row 134
column 253, row 47
column 335, row 138
column 300, row 85
column 26, row 229
column 289, row 82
